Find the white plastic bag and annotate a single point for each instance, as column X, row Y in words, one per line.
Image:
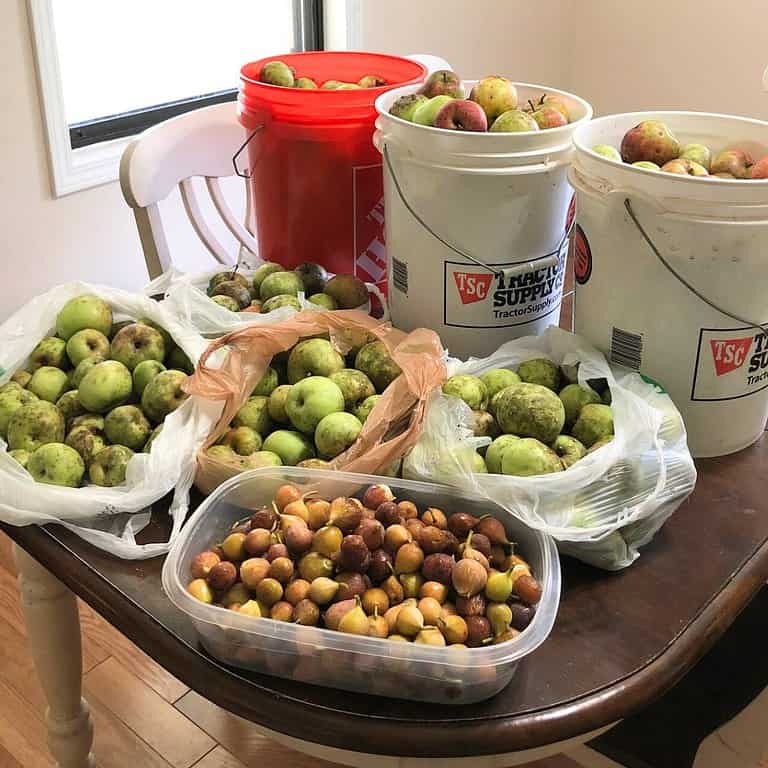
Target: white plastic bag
column 607, row 505
column 106, row 517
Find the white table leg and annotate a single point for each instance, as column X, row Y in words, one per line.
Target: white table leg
column 53, row 631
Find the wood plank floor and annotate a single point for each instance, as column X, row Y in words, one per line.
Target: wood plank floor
column 142, row 715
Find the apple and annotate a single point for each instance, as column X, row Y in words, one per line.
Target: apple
column 234, row 290
column 354, row 385
column 698, row 153
column 470, row 389
column 335, row 433
column 497, row 379
column 20, row 456
column 281, row 301
column 347, row 87
column 242, row 440
column 56, row 464
column 427, row 112
column 265, row 269
column 371, row 81
column 276, row 404
column 178, row 360
column 70, row 406
column 152, row 437
column 105, row 386
column 136, row 343
column 87, row 343
column 462, row 115
column 90, row 421
column 684, row 167
column 375, row 362
column 363, row 410
column 143, row 373
column 552, row 101
column 50, row 351
column 348, row 291
column 280, row 284
column 267, row 383
column 35, row 424
column 22, row 378
column 495, row 94
column 127, row 425
column 163, row 395
column 254, row 414
column 605, row 150
column 310, row 400
column 255, row 306
column 313, row 357
column 647, row 164
column 117, row 327
column 277, row 73
column 261, row 459
column 227, row 302
column 323, row 300
column 109, row 465
column 514, row 121
column 305, row 82
column 650, row 140
column 405, row 107
column 733, row 161
column 76, row 376
column 86, row 442
column 218, row 279
column 760, row 169
column 11, row 386
column 10, row 402
column 443, row 82
column 549, row 117
column 48, row 383
column 313, row 276
column 291, row 447
column 221, row 453
column 85, row 311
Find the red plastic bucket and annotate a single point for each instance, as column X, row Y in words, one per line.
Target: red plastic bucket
column 315, row 175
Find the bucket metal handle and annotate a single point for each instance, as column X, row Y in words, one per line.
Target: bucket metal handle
column 543, row 262
column 763, row 327
column 246, row 174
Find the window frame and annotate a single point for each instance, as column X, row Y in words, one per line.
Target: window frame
column 87, row 154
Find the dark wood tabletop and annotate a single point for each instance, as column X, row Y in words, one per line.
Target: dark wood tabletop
column 620, row 640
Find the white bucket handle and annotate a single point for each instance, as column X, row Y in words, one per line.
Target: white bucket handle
column 542, row 262
column 762, row 327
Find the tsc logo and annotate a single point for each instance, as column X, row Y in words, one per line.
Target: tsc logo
column 729, row 354
column 472, row 286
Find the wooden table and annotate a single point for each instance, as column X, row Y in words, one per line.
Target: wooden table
column 620, row 641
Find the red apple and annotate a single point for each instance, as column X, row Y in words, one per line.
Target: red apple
column 684, row 167
column 734, row 161
column 549, row 117
column 443, row 82
column 760, row 169
column 650, row 140
column 462, row 115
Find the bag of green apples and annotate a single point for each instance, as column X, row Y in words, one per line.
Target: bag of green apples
column 339, row 390
column 94, row 425
column 595, row 457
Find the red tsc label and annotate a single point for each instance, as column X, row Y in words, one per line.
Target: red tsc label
column 370, row 251
column 730, row 363
column 474, row 298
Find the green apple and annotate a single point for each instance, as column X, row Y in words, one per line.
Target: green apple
column 227, row 302
column 167, row 340
column 10, row 402
column 85, row 311
column 405, row 107
column 468, row 388
column 109, row 465
column 514, row 121
column 242, row 440
column 79, row 373
column 143, row 373
column 335, row 433
column 310, row 400
column 527, row 456
column 496, row 95
column 86, row 442
column 91, row 421
column 155, row 432
column 20, row 456
column 70, row 406
column 223, row 277
column 323, row 300
column 595, row 423
column 163, row 395
column 699, row 153
column 234, row 290
column 606, row 150
column 105, row 386
column 276, row 404
column 21, row 378
column 280, row 284
column 497, row 379
column 87, row 343
column 35, row 424
column 136, row 343
column 305, row 82
column 11, row 386
column 49, row 351
column 313, row 357
column 647, row 164
column 574, row 398
column 277, row 73
column 222, row 453
column 178, row 360
column 495, row 452
column 265, row 269
column 117, row 327
column 280, row 301
column 56, row 464
column 363, row 410
column 48, row 383
column 127, row 425
column 354, row 385
column 348, row 291
column 374, row 361
column 261, row 459
column 569, row 449
column 426, row 113
column 267, row 383
column 291, row 447
column 540, row 371
column 254, row 414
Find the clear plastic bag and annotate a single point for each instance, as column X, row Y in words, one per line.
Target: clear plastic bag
column 109, row 518
column 607, row 505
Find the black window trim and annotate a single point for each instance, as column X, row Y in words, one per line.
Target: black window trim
column 309, row 36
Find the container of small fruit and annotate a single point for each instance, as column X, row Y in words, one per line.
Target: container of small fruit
column 408, row 590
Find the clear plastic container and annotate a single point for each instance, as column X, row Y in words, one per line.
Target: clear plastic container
column 337, row 660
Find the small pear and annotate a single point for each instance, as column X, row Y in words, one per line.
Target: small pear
column 322, row 590
column 355, row 622
column 500, row 616
column 430, row 636
column 409, row 621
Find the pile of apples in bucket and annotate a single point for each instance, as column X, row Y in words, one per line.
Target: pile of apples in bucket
column 652, row 145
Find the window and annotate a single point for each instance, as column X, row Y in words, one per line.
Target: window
column 109, row 70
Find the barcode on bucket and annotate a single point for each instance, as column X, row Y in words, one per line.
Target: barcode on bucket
column 400, row 275
column 626, row 348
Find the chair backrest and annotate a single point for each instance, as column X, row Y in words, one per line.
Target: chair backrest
column 197, row 144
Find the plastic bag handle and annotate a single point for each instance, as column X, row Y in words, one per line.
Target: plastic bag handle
column 374, row 289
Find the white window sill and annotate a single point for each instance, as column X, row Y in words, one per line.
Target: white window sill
column 77, row 169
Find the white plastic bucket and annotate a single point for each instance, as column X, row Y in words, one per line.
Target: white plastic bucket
column 689, row 315
column 501, row 198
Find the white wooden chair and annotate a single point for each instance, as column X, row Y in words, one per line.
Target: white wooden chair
column 197, row 144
